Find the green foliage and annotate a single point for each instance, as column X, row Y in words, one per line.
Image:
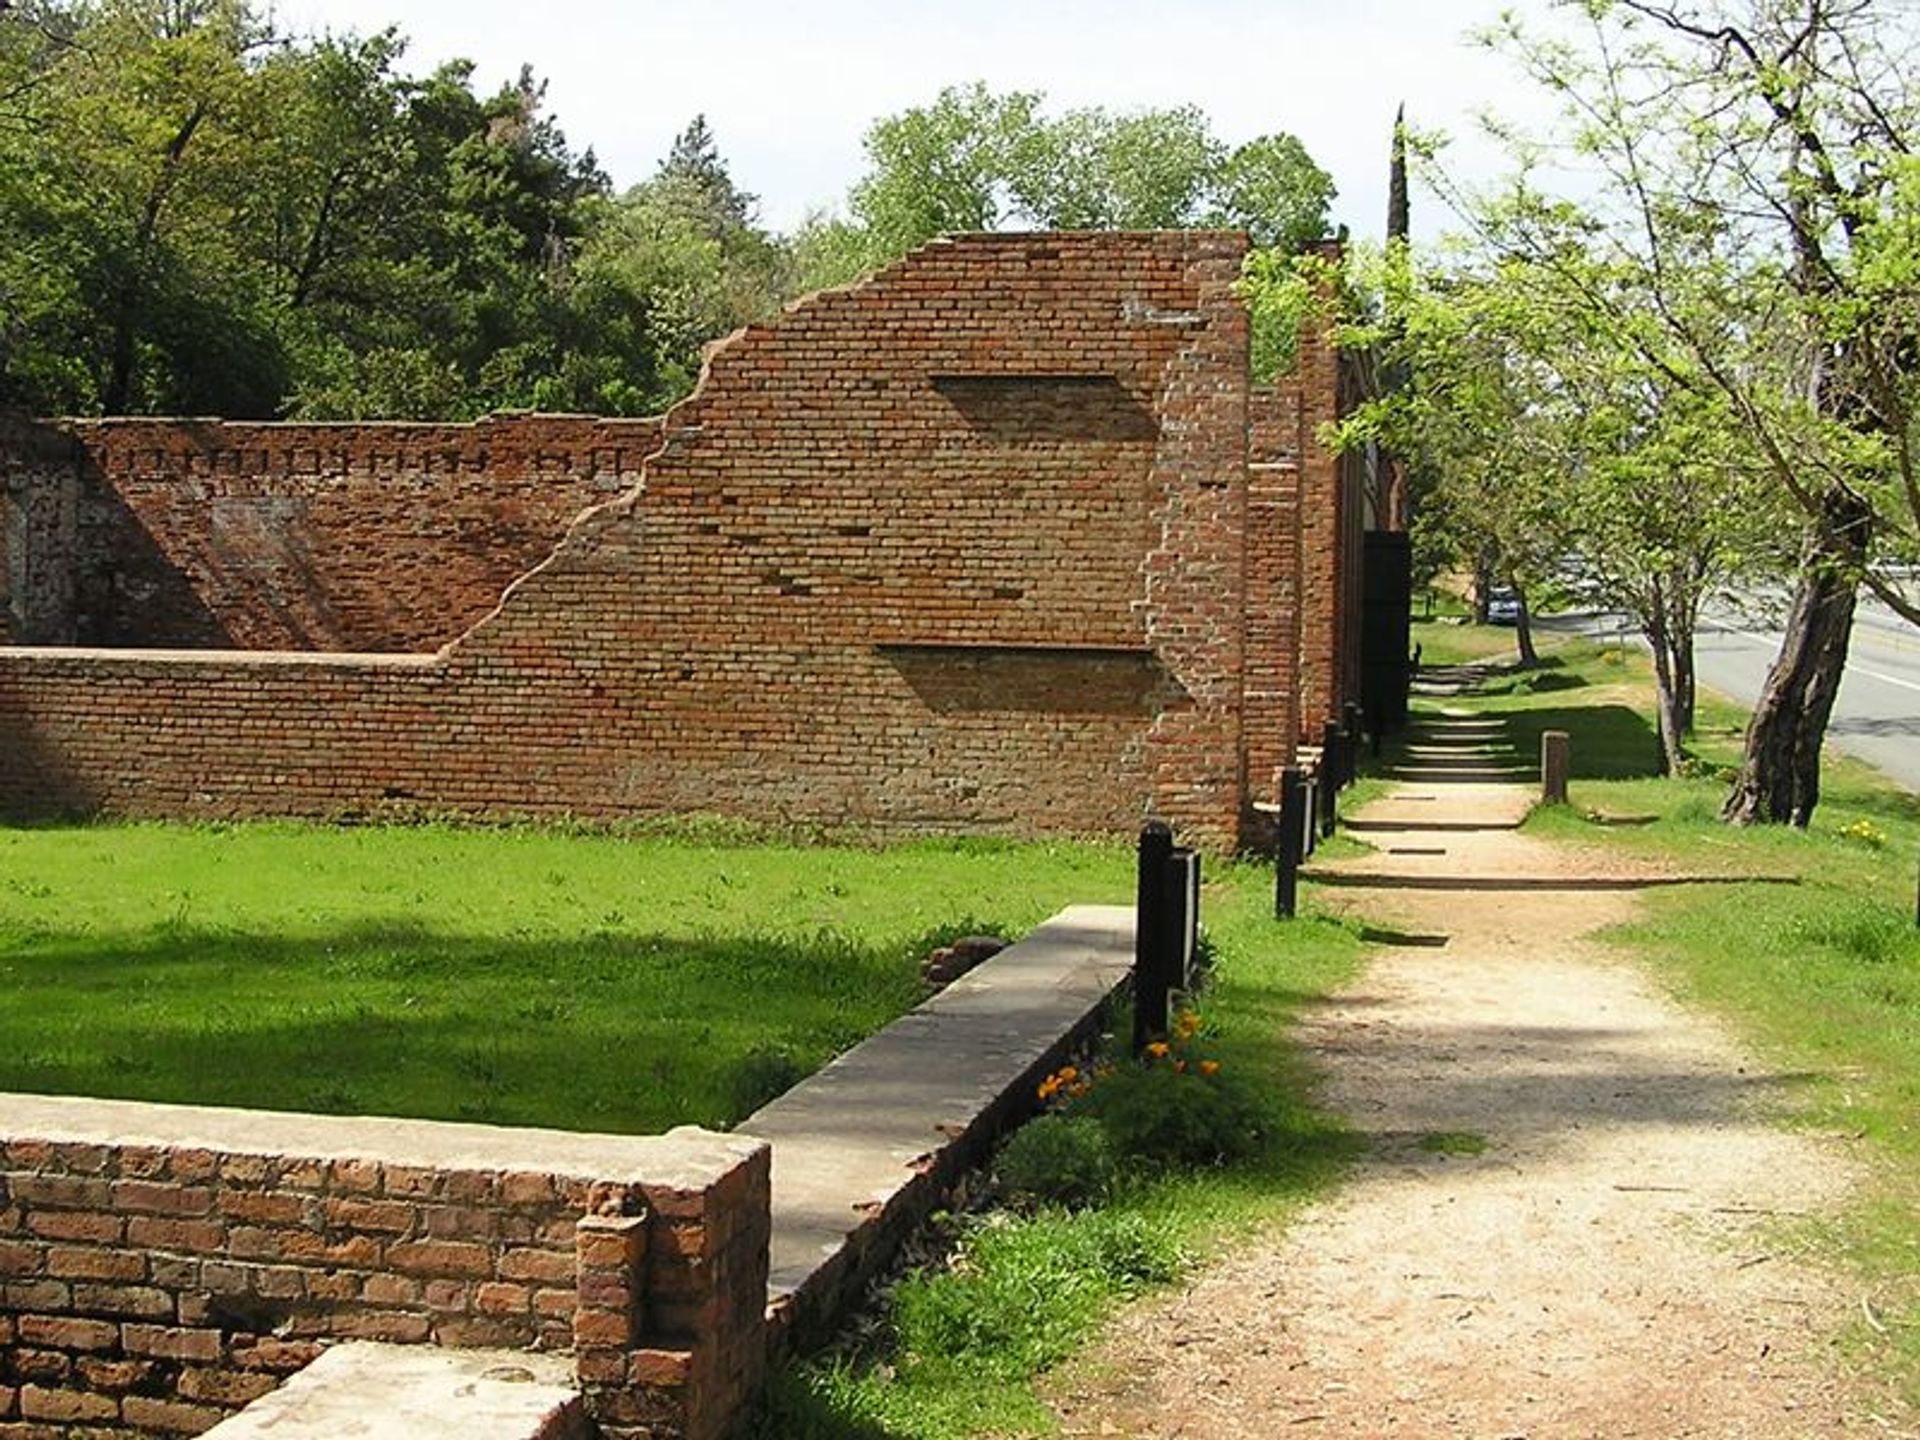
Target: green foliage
column 1271, row 188
column 943, row 168
column 1057, row 1159
column 199, row 214
column 976, row 160
column 1019, row 1295
column 1155, row 1114
column 1744, row 259
column 1277, row 288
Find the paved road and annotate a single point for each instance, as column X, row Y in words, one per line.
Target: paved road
column 1877, row 716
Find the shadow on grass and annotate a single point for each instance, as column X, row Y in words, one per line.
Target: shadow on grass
column 804, row 1404
column 1610, row 742
column 1883, row 801
column 623, row 1031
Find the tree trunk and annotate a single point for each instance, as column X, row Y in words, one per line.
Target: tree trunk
column 1523, row 629
column 1482, row 585
column 1779, row 780
column 1685, row 684
column 1668, row 721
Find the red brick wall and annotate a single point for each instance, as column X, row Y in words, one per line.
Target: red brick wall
column 961, row 547
column 1327, row 569
column 202, row 534
column 39, row 503
column 161, row 1266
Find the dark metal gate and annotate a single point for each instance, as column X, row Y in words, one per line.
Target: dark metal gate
column 1386, row 615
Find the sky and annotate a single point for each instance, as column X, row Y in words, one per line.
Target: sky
column 789, row 89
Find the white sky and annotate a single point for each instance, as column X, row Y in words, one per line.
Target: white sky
column 789, row 89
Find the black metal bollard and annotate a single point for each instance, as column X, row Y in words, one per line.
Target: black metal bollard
column 1153, row 957
column 1292, row 841
column 1332, row 742
column 1331, row 746
column 1350, row 751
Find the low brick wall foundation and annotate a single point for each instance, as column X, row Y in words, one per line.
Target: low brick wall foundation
column 162, row 1266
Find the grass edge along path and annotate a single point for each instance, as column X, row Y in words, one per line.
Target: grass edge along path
column 1821, row 977
column 956, row 1349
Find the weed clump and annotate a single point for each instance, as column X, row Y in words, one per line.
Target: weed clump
column 1018, row 1296
column 1173, row 1107
column 1059, row 1160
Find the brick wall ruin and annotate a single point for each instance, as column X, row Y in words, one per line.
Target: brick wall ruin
column 162, row 1265
column 972, row 545
column 202, row 534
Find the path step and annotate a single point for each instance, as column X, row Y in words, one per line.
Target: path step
column 365, row 1391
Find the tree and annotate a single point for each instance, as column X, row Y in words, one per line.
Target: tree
column 694, row 167
column 1271, row 188
column 200, row 214
column 1761, row 152
column 944, row 168
column 1552, row 444
column 140, row 128
column 976, row 160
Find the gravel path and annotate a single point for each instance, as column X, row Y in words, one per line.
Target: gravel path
column 1611, row 1264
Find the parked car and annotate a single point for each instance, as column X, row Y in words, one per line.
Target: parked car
column 1503, row 607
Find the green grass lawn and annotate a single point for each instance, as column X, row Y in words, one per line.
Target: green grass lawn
column 515, row 976
column 1450, row 640
column 591, row 980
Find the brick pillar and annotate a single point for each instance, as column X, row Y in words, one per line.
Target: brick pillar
column 669, row 1333
column 1323, row 529
column 1270, row 720
column 1195, row 568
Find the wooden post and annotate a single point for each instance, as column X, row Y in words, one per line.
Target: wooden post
column 1350, row 751
column 1292, row 840
column 1151, row 960
column 1556, row 763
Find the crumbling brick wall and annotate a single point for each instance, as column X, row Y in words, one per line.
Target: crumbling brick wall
column 198, row 534
column 961, row 547
column 1330, row 536
column 160, row 1266
column 1273, row 719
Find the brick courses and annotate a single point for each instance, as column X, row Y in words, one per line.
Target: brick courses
column 161, row 1266
column 973, row 545
column 347, row 537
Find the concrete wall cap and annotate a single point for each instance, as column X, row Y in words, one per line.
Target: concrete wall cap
column 686, row 1157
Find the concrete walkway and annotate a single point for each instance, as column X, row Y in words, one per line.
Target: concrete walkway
column 865, row 1149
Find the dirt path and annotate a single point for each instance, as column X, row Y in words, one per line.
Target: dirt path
column 1611, row 1264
